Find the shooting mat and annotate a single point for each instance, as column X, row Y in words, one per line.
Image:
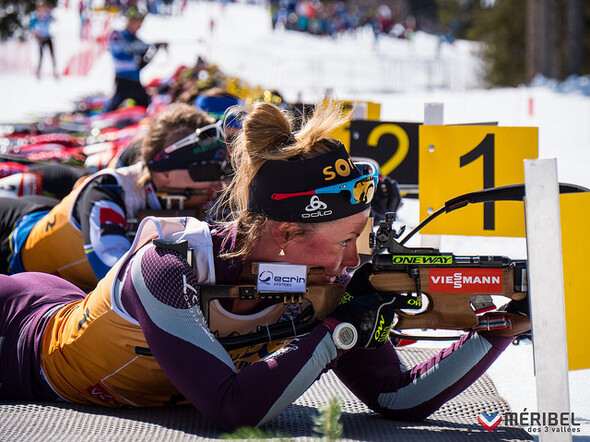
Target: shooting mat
column 456, row 420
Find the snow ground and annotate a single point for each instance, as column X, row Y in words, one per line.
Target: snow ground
column 391, row 73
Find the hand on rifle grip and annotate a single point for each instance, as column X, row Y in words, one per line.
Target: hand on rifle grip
column 371, row 315
column 359, row 284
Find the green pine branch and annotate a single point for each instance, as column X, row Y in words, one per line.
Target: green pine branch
column 327, row 423
column 251, row 434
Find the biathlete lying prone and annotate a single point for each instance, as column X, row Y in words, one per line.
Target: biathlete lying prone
column 140, row 337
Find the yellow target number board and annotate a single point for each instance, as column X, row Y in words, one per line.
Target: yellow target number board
column 372, row 112
column 454, row 160
column 575, row 242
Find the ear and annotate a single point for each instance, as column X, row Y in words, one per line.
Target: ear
column 283, row 232
column 160, row 179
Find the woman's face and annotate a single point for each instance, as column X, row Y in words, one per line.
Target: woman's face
column 205, row 192
column 331, row 246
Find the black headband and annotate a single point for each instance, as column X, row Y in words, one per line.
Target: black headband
column 303, row 175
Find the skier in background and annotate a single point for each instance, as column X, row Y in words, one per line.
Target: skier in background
column 40, row 25
column 84, row 11
column 130, row 55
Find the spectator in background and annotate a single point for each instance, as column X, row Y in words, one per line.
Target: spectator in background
column 40, row 25
column 130, row 55
column 84, row 11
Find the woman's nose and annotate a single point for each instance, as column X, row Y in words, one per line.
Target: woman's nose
column 351, row 257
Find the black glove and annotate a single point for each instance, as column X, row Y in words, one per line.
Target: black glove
column 359, row 284
column 371, row 316
column 521, row 307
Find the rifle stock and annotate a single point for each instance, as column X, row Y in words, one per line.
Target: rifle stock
column 324, row 299
column 446, row 310
column 452, row 308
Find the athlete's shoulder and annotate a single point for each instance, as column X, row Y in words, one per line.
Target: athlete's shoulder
column 100, row 187
column 227, row 270
column 164, row 272
column 104, row 179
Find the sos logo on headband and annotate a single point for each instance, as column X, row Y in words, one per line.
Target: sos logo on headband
column 341, row 167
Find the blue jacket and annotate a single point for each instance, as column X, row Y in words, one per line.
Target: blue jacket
column 128, row 52
column 40, row 24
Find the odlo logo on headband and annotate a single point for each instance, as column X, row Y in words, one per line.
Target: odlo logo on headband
column 316, row 208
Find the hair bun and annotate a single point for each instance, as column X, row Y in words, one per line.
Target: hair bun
column 266, row 130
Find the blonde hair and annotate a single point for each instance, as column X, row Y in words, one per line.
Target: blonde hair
column 173, row 124
column 267, row 134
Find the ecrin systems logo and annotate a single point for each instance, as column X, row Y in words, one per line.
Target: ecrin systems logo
column 281, row 277
column 266, row 277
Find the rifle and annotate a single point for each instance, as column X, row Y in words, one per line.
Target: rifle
column 170, row 197
column 448, row 291
column 434, row 290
